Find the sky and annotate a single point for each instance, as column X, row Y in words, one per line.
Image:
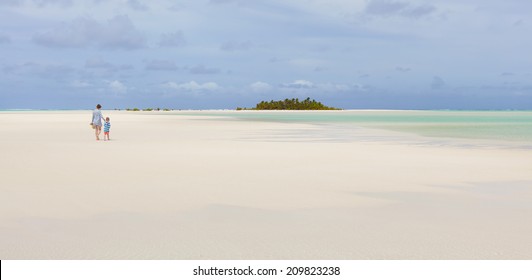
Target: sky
column 223, row 54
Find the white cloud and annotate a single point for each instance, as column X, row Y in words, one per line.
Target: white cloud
column 80, row 84
column 117, row 33
column 11, row 2
column 402, row 69
column 192, row 86
column 202, row 70
column 39, row 3
column 100, row 64
column 174, row 39
column 307, row 62
column 354, row 34
column 97, row 63
column 399, row 8
column 136, row 5
column 35, row 69
column 221, row 1
column 305, row 86
column 299, row 84
column 260, row 86
column 232, row 46
column 161, row 65
column 117, row 86
column 385, row 7
column 334, row 87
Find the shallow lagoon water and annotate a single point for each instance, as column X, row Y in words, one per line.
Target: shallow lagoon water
column 488, row 125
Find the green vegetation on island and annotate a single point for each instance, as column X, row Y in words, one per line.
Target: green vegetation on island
column 147, row 109
column 290, row 104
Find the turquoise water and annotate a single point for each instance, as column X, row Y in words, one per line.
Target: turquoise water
column 495, row 125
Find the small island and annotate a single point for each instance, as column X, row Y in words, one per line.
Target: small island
column 290, row 104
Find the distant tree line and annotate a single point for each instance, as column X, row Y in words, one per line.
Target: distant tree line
column 290, row 104
column 146, row 109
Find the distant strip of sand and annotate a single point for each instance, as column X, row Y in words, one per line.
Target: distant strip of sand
column 194, row 187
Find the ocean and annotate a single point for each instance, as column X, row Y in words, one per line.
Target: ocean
column 488, row 125
column 507, row 126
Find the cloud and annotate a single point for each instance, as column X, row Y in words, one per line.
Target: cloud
column 246, row 3
column 39, row 3
column 507, row 74
column 298, row 84
column 98, row 63
column 402, row 69
column 236, row 46
column 46, row 71
column 177, row 7
column 137, row 5
column 260, row 86
column 42, row 3
column 437, row 83
column 76, row 34
column 117, row 86
column 4, row 39
column 192, row 86
column 174, row 39
column 398, row 8
column 518, row 22
column 117, row 33
column 308, row 63
column 11, row 2
column 276, row 59
column 385, row 7
column 308, row 86
column 80, row 84
column 332, row 87
column 64, row 3
column 161, row 65
column 321, row 48
column 223, row 1
column 202, row 70
column 419, row 11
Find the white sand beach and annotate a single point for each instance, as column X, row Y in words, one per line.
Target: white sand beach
column 194, row 187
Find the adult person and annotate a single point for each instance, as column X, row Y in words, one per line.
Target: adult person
column 97, row 121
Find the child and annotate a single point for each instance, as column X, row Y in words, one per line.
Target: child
column 106, row 128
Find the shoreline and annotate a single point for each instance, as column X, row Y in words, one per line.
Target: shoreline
column 340, row 110
column 404, row 136
column 191, row 187
column 401, row 135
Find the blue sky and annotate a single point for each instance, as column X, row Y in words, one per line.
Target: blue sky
column 209, row 54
